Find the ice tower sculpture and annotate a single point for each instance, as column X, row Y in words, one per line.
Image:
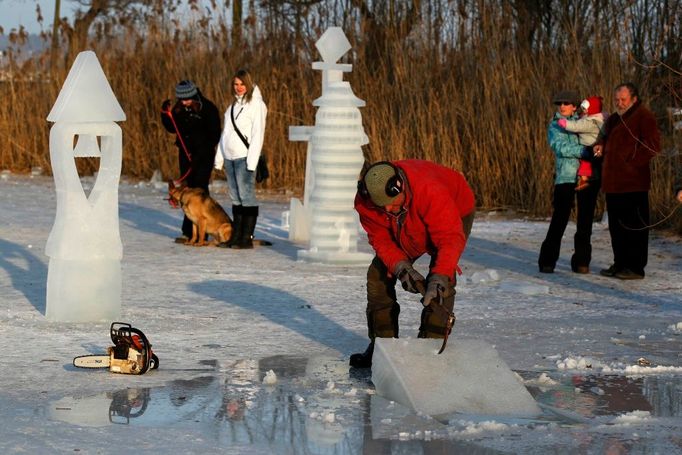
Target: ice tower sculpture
column 333, row 163
column 84, row 246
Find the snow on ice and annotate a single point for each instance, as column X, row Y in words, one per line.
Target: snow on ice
column 254, row 345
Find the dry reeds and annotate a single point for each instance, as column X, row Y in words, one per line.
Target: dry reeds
column 477, row 98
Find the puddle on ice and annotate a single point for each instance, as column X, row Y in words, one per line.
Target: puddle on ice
column 315, row 405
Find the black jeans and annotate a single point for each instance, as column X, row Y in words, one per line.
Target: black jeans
column 628, row 220
column 564, row 195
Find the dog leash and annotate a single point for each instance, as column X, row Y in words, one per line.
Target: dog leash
column 187, row 154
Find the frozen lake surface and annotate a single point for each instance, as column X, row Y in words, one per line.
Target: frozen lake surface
column 254, row 345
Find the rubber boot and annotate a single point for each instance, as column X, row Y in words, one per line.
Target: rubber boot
column 363, row 360
column 236, row 227
column 249, row 218
column 381, row 323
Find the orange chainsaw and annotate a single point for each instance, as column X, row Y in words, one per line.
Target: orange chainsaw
column 131, row 353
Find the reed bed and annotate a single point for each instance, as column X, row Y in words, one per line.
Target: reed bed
column 479, row 102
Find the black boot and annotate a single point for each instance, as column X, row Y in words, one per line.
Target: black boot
column 245, row 240
column 236, row 227
column 363, row 360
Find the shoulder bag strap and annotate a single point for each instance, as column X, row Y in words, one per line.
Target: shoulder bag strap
column 234, row 124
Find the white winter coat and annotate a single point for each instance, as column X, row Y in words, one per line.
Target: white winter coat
column 250, row 119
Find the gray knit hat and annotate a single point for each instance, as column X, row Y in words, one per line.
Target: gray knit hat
column 185, row 90
column 567, row 96
column 377, row 183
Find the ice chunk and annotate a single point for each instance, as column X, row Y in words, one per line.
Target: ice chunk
column 270, row 378
column 468, row 377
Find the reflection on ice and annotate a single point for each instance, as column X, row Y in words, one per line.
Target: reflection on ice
column 318, row 406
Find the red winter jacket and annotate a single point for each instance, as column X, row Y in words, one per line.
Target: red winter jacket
column 630, row 141
column 431, row 221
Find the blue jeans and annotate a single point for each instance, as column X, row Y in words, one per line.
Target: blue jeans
column 241, row 182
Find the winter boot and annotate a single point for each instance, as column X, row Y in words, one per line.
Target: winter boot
column 363, row 360
column 236, row 227
column 382, row 323
column 249, row 217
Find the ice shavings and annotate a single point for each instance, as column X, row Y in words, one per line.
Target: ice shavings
column 632, row 418
column 270, row 378
column 542, row 380
column 578, row 363
column 659, row 369
column 472, row 429
column 676, row 327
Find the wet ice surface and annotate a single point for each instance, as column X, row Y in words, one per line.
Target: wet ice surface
column 222, row 322
column 318, row 405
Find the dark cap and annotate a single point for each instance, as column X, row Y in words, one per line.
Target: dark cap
column 567, row 96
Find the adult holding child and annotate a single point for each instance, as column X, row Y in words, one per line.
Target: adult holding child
column 238, row 151
column 195, row 121
column 568, row 151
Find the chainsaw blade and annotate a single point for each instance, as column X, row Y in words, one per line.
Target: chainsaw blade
column 92, row 361
column 450, row 322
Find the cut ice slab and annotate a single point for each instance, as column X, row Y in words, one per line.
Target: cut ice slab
column 468, row 377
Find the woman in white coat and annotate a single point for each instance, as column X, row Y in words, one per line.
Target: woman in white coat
column 238, row 151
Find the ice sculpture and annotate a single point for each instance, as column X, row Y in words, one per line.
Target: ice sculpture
column 84, row 246
column 468, row 377
column 326, row 217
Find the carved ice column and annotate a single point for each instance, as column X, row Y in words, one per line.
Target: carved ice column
column 84, row 246
column 333, row 164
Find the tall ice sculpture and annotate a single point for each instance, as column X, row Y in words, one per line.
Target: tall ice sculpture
column 333, row 163
column 84, row 246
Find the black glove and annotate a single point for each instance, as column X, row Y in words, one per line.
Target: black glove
column 408, row 276
column 435, row 288
column 165, row 107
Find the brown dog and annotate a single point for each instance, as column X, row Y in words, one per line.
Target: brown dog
column 207, row 216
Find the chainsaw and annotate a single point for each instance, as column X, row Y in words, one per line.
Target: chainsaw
column 448, row 316
column 131, row 353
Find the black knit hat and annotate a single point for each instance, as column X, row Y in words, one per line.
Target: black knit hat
column 185, row 90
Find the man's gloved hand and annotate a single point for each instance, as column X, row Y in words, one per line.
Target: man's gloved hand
column 408, row 276
column 436, row 284
column 562, row 123
column 165, row 107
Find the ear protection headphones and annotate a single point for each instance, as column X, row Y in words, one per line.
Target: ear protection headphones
column 394, row 185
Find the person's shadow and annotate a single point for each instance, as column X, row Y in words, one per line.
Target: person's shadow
column 281, row 308
column 27, row 273
column 505, row 256
column 150, row 220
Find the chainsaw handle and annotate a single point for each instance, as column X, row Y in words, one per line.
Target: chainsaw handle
column 420, row 286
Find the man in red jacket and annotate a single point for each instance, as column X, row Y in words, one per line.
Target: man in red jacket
column 409, row 208
column 629, row 140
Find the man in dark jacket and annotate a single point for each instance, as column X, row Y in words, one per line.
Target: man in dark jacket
column 195, row 121
column 630, row 139
column 409, row 208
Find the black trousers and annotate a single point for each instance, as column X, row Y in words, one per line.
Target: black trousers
column 628, row 220
column 562, row 201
